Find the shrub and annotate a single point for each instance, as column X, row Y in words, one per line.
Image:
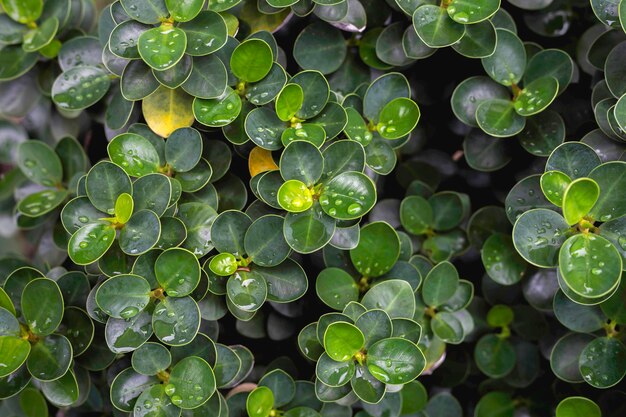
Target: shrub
column 237, row 208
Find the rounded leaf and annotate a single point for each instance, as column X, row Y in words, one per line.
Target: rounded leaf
column 342, row 341
column 251, row 60
column 123, row 296
column 590, row 265
column 395, row 361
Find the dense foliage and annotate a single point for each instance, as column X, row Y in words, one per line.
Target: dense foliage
column 236, row 208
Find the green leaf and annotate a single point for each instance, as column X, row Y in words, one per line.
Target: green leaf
column 42, row 306
column 41, row 36
column 301, row 161
column 158, row 401
column 177, row 271
column 508, row 62
column 449, row 209
column 264, row 128
column 538, row 234
column 141, row 233
column 343, row 156
column 289, row 102
column 347, row 196
column 123, row 296
column 470, row 93
column 383, row 90
column 499, row 118
column 377, row 251
column 90, row 242
column 50, row 358
column 264, row 241
column 126, row 335
column 152, row 192
column 206, row 33
column 285, row 282
column 394, row 296
column 247, row 290
column 502, row 262
column 394, row 42
column 176, row 320
column 590, row 265
column 356, row 128
column 308, row 231
column 610, row 177
column 543, row 133
column 183, row 11
column 39, row 163
column 23, row 11
column 366, row 387
column 251, row 60
column 577, row 407
column 281, row 383
column 579, row 197
column 448, row 327
column 575, row 159
column 550, row 63
column 553, row 185
column 123, row 39
column 123, row 208
column 162, row 47
column 191, row 383
column 440, row 284
column 267, row 89
column 536, row 96
column 145, row 11
column 398, row 118
column 294, row 196
column 260, row 402
column 565, row 354
column 479, row 40
column 336, row 288
column 495, row 403
column 308, row 342
column 151, row 358
column 227, row 365
column 332, row 373
column 602, row 362
column 198, row 219
column 435, row 27
column 494, row 356
column 219, row 111
column 395, row 361
column 375, row 325
column 316, row 93
column 207, row 79
column 104, row 183
column 320, row 47
column 13, row 352
column 80, row 87
column 183, row 149
column 21, row 62
column 342, row 341
column 483, row 153
column 32, row 403
column 228, row 231
column 42, row 202
column 468, row 13
column 223, row 264
column 134, row 154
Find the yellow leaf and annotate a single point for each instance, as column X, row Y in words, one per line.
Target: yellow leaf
column 232, row 23
column 166, row 110
column 260, row 160
column 258, row 21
